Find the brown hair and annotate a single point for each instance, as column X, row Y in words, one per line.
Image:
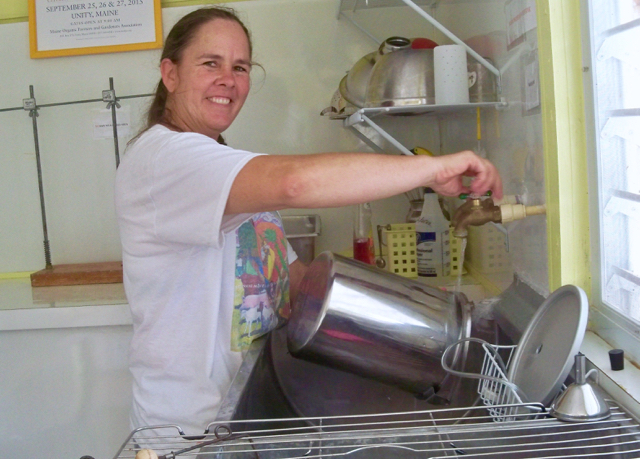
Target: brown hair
column 180, row 36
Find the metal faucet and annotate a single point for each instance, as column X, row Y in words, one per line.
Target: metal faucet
column 475, row 212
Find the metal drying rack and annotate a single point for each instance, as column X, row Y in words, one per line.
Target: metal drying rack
column 444, row 433
column 30, row 105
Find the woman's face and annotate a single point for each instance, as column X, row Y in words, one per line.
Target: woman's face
column 209, row 85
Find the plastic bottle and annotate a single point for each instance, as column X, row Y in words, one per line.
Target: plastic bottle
column 432, row 239
column 363, row 247
column 415, row 210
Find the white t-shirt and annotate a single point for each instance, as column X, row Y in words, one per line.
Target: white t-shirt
column 201, row 285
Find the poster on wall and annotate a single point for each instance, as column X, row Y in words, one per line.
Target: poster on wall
column 103, row 123
column 75, row 27
column 521, row 18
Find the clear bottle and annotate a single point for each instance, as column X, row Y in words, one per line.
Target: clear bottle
column 415, row 210
column 432, row 239
column 363, row 247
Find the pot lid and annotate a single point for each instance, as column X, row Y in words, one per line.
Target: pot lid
column 546, row 351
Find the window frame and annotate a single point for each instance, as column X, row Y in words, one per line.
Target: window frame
column 611, row 325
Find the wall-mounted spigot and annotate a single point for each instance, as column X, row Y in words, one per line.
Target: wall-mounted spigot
column 476, row 212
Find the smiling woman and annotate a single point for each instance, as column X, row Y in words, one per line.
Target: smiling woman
column 207, row 266
column 201, row 63
column 212, row 81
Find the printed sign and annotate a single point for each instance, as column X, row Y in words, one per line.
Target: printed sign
column 72, row 27
column 521, row 18
column 103, row 123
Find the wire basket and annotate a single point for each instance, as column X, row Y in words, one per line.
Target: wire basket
column 495, row 390
column 457, row 254
column 401, row 249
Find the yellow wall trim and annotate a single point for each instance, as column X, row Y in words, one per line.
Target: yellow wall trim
column 564, row 138
column 15, row 275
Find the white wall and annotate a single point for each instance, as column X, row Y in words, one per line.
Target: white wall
column 65, row 392
column 305, row 52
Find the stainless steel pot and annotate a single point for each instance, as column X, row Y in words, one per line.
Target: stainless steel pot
column 354, row 317
column 482, row 83
column 353, row 87
column 403, row 77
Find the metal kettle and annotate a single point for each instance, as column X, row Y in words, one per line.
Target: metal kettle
column 354, row 317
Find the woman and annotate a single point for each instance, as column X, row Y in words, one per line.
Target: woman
column 206, row 265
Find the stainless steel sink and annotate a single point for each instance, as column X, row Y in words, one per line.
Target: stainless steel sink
column 282, row 407
column 292, row 408
column 273, row 384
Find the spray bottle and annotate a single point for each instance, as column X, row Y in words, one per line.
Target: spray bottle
column 432, row 239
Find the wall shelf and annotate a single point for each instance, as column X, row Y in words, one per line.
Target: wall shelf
column 348, row 9
column 363, row 116
column 373, row 112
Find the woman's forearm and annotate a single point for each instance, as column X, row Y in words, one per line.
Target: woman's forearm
column 274, row 182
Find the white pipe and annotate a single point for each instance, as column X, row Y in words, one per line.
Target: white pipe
column 536, row 210
column 512, row 212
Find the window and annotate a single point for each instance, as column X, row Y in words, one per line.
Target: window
column 612, row 96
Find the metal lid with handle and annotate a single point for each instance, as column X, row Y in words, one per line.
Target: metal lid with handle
column 544, row 355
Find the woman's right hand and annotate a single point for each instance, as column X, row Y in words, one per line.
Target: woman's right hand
column 449, row 171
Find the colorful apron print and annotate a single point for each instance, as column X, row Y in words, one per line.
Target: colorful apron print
column 262, row 279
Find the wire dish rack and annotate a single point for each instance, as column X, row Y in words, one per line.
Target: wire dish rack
column 502, row 398
column 442, row 433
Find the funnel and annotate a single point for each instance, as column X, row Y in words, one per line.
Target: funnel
column 580, row 401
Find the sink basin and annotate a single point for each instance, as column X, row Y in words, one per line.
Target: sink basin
column 272, row 384
column 281, row 407
column 444, row 432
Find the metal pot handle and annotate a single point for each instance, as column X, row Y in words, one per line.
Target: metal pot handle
column 473, row 77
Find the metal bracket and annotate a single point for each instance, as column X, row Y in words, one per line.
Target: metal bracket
column 109, row 96
column 31, row 106
column 500, row 227
column 359, row 117
column 619, row 43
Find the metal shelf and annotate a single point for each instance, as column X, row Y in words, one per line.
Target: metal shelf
column 354, row 5
column 416, row 5
column 365, row 115
column 348, row 9
column 372, row 112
